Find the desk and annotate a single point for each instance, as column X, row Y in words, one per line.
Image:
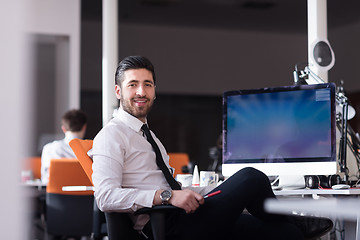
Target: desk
column 302, row 192
column 33, row 188
column 347, row 208
column 34, row 183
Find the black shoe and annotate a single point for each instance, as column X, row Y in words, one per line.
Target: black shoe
column 312, row 227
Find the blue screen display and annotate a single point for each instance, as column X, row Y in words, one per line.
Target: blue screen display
column 288, row 124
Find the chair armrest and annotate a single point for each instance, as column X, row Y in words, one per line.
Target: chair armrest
column 157, row 208
column 121, row 227
column 158, row 218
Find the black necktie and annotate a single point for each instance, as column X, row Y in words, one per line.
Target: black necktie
column 159, row 160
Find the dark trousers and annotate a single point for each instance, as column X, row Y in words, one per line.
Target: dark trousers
column 222, row 216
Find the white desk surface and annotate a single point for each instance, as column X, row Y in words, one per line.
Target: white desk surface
column 34, row 183
column 347, row 208
column 352, row 191
column 344, row 207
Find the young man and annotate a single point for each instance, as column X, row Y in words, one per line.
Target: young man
column 127, row 175
column 73, row 124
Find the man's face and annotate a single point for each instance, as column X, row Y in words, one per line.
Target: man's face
column 137, row 92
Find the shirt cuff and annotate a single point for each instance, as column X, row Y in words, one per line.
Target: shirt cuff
column 144, row 198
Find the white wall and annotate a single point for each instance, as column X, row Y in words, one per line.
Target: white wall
column 18, row 17
column 14, row 129
column 60, row 18
column 55, row 24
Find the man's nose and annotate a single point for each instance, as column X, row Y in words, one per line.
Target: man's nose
column 140, row 91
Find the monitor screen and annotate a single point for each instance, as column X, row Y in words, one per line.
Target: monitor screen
column 280, row 131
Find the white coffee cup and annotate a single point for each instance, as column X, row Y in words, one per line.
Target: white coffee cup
column 184, row 179
column 208, row 178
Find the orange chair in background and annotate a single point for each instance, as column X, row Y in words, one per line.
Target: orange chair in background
column 68, row 213
column 178, row 161
column 33, row 164
column 67, row 172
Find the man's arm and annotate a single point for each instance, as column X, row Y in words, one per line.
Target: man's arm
column 185, row 199
column 109, row 193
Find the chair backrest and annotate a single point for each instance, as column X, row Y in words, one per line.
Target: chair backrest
column 80, row 148
column 177, row 161
column 67, row 172
column 68, row 213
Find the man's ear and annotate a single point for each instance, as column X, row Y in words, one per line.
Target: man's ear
column 118, row 91
column 63, row 129
column 83, row 131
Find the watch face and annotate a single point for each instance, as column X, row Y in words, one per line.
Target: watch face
column 165, row 195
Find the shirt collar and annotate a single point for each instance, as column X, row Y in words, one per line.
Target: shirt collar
column 129, row 120
column 69, row 136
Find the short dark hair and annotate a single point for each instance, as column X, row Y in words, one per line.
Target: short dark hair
column 74, row 120
column 132, row 62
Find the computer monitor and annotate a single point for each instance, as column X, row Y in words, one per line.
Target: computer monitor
column 281, row 131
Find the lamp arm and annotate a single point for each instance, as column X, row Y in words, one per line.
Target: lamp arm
column 354, row 143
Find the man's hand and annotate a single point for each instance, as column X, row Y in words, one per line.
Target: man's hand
column 185, row 199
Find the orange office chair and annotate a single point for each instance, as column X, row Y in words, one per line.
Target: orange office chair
column 119, row 225
column 68, row 213
column 80, row 148
column 33, row 164
column 180, row 162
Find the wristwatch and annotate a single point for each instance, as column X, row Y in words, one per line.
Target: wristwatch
column 165, row 196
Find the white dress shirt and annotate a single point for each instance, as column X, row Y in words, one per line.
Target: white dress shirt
column 125, row 174
column 55, row 150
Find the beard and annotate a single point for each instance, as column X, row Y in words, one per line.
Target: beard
column 136, row 111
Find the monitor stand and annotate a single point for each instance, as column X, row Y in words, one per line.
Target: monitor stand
column 291, row 181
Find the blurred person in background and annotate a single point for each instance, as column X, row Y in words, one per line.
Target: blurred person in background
column 73, row 124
